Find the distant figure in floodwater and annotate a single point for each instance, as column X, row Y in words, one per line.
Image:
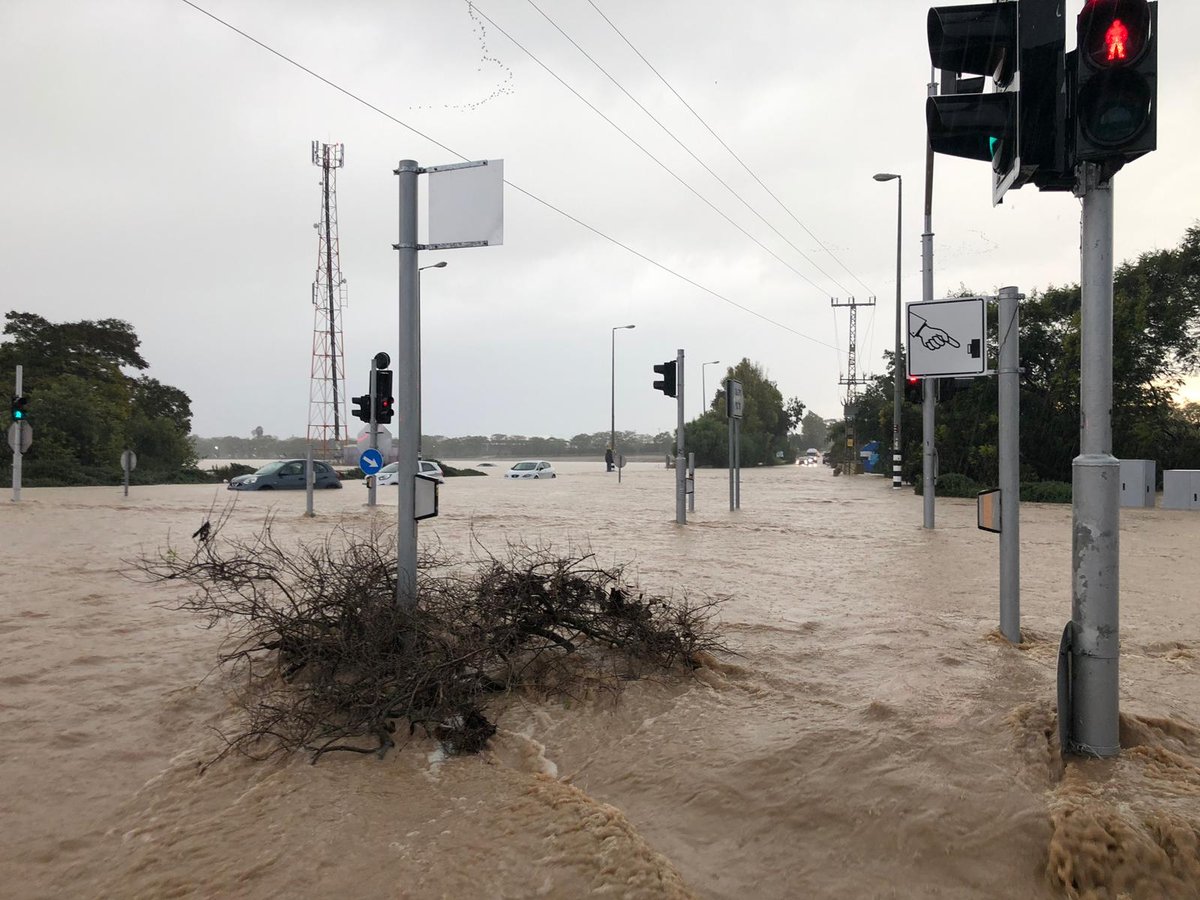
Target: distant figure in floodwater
column 201, row 533
column 608, row 459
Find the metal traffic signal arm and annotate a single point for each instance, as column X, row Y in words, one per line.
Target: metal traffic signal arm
column 1018, row 126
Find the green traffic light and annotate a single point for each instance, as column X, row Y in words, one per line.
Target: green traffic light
column 993, row 142
column 17, row 414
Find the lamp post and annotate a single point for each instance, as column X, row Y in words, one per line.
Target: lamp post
column 612, row 436
column 420, row 269
column 703, row 389
column 897, row 374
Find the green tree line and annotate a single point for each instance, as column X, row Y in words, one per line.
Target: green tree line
column 84, row 407
column 1156, row 343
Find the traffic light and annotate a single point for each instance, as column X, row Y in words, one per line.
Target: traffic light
column 1019, row 126
column 914, row 391
column 362, row 407
column 667, row 383
column 1115, row 90
column 18, row 409
column 384, row 401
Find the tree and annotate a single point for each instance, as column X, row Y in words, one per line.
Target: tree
column 766, row 421
column 86, row 409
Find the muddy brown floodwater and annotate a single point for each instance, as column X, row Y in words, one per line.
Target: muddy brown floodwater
column 873, row 738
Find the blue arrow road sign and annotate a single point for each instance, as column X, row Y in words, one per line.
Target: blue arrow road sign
column 370, row 462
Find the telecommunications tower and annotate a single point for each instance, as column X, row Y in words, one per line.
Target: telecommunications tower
column 327, row 389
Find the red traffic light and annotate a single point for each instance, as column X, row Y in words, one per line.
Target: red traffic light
column 1114, row 33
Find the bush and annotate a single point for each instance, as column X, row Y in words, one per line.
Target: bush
column 1046, row 492
column 950, row 485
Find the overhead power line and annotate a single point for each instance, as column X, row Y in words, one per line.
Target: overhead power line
column 356, row 98
column 686, row 148
column 721, row 141
column 625, row 134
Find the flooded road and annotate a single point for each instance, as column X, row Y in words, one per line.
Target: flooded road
column 872, row 737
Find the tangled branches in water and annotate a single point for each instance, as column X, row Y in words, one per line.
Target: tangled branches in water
column 332, row 663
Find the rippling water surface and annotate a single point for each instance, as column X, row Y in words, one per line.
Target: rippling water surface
column 871, row 738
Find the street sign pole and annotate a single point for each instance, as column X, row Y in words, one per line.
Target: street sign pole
column 128, row 464
column 309, row 481
column 408, row 388
column 929, row 385
column 680, row 461
column 1095, row 556
column 16, row 473
column 691, row 494
column 1010, row 463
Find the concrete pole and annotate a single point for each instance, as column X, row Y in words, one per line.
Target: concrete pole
column 1095, row 557
column 374, row 442
column 1009, row 376
column 732, row 439
column 17, row 455
column 897, row 393
column 737, row 468
column 408, row 387
column 680, row 460
column 308, row 482
column 928, row 385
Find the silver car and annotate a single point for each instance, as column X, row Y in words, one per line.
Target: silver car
column 389, row 474
column 285, row 474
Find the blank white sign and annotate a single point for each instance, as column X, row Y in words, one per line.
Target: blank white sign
column 467, row 205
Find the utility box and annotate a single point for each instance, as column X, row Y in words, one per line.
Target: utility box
column 1137, row 483
column 1181, row 489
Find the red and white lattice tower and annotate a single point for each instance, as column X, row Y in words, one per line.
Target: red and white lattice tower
column 327, row 389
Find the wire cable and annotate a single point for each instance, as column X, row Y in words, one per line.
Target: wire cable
column 635, row 143
column 687, row 149
column 710, row 130
column 516, row 187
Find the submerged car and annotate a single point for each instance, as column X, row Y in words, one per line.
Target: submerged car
column 285, row 474
column 389, row 474
column 531, row 468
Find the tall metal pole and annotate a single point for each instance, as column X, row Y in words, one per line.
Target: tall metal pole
column 680, row 461
column 928, row 385
column 408, row 387
column 732, row 438
column 374, row 430
column 1010, row 463
column 897, row 393
column 1095, row 557
column 337, row 427
column 17, row 455
column 309, row 481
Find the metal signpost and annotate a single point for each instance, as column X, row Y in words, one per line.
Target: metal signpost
column 309, row 481
column 128, row 464
column 20, row 436
column 466, row 209
column 373, row 432
column 680, row 472
column 691, row 482
column 734, row 407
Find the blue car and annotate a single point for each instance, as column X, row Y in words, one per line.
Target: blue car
column 285, row 474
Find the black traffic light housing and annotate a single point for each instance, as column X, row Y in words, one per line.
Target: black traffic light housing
column 1019, row 127
column 667, row 383
column 384, row 401
column 362, row 407
column 1114, row 82
column 914, row 389
column 18, row 412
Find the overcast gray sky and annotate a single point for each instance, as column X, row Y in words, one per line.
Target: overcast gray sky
column 158, row 170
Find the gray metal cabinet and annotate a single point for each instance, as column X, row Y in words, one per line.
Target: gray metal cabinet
column 1137, row 483
column 1181, row 489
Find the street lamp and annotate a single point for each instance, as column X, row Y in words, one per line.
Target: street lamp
column 420, row 269
column 897, row 374
column 703, row 389
column 612, row 436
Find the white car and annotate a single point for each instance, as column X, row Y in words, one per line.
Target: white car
column 531, row 468
column 390, row 474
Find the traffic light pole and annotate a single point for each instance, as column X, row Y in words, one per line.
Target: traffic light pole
column 374, row 432
column 1008, row 375
column 928, row 385
column 17, row 455
column 680, row 458
column 1095, row 557
column 408, row 387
